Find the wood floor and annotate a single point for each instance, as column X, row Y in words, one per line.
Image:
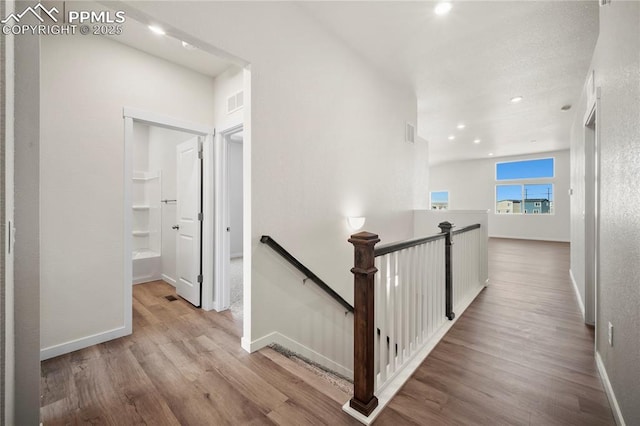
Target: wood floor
column 520, row 355
column 183, row 366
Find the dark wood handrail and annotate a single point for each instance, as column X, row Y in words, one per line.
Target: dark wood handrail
column 391, row 247
column 265, row 239
column 466, row 229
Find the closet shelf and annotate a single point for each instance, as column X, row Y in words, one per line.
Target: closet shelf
column 140, row 233
column 141, row 207
column 139, row 176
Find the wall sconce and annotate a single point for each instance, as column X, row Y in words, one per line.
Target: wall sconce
column 356, row 223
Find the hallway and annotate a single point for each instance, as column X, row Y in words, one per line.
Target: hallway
column 520, row 354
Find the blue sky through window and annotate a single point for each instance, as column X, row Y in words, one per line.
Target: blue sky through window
column 528, row 169
column 440, row 197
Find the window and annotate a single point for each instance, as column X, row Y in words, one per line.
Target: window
column 527, row 169
column 439, row 200
column 523, row 197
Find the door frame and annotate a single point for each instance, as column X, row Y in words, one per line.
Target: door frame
column 223, row 242
column 131, row 115
column 592, row 210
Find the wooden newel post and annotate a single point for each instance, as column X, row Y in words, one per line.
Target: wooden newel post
column 364, row 270
column 445, row 228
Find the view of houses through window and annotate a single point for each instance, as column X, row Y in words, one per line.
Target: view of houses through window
column 439, row 200
column 522, row 197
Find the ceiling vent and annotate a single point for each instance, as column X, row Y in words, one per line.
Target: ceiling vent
column 410, row 133
column 235, row 102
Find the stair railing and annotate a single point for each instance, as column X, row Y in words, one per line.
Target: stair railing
column 407, row 291
column 265, row 239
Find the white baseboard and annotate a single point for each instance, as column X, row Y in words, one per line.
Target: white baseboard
column 84, row 342
column 511, row 237
column 575, row 288
column 299, row 348
column 617, row 413
column 386, row 394
column 168, row 279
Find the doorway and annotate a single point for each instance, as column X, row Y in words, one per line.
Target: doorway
column 591, row 216
column 233, row 141
column 229, row 221
column 166, row 204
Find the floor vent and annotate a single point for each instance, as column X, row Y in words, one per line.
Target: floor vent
column 171, row 298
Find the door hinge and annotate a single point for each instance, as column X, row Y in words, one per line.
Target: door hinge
column 200, row 217
column 200, row 278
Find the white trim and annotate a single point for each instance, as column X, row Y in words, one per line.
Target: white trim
column 128, row 226
column 208, row 223
column 617, row 413
column 83, row 342
column 166, row 278
column 166, row 121
column 298, row 348
column 511, row 237
column 386, row 394
column 575, row 288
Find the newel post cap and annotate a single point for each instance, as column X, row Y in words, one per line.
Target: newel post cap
column 445, row 226
column 364, row 238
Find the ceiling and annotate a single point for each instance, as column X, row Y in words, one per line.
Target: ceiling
column 466, row 66
column 137, row 35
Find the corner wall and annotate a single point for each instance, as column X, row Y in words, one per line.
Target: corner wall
column 616, row 62
column 471, row 185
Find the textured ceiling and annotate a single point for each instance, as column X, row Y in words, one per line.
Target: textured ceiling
column 466, row 66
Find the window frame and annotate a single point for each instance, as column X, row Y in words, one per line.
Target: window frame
column 523, row 182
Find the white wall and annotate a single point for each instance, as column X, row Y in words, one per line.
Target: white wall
column 235, row 197
column 162, row 156
column 226, row 84
column 85, row 83
column 616, row 63
column 471, row 186
column 326, row 142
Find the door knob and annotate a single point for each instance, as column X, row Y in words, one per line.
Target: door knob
column 175, row 227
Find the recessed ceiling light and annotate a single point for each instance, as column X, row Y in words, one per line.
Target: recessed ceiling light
column 491, row 154
column 476, row 141
column 516, row 99
column 565, row 107
column 461, row 126
column 443, row 8
column 451, row 137
column 188, row 46
column 157, row 30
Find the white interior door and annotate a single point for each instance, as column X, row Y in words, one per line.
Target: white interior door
column 189, row 205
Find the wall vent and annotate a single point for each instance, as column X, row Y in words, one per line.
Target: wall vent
column 235, row 102
column 410, row 133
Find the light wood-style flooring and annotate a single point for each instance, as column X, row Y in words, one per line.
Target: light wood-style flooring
column 520, row 355
column 183, row 366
